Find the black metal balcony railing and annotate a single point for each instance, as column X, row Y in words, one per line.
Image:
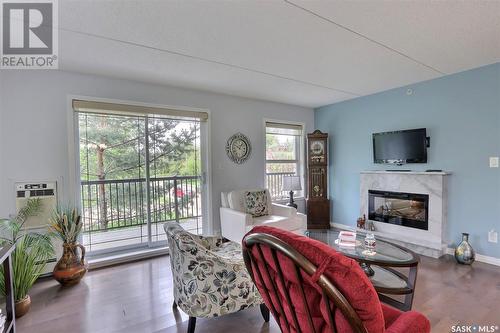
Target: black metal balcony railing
column 114, row 204
column 274, row 183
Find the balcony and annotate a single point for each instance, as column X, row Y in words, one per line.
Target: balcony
column 115, row 212
column 274, row 183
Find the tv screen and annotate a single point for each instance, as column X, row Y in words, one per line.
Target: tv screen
column 400, row 147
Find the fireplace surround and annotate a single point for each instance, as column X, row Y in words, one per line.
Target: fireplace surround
column 430, row 241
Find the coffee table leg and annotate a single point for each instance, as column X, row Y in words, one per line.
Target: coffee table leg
column 412, row 279
column 367, row 269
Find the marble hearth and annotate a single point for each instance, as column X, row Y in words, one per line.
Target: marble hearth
column 430, row 242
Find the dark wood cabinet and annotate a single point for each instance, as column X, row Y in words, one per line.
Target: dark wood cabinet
column 318, row 203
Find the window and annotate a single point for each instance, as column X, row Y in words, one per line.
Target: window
column 138, row 170
column 283, row 156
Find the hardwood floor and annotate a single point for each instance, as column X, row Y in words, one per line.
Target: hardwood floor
column 137, row 297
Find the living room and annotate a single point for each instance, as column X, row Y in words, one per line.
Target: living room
column 132, row 126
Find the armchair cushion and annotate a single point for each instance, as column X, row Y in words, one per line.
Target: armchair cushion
column 256, row 203
column 282, row 222
column 229, row 250
column 236, row 200
column 407, row 322
column 283, row 210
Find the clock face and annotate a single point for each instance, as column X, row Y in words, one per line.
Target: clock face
column 238, row 148
column 317, row 147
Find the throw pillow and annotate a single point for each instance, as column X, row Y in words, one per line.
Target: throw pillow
column 256, row 203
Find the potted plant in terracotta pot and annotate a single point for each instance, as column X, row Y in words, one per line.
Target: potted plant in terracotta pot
column 66, row 225
column 29, row 256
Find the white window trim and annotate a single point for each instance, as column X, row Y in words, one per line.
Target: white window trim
column 301, row 167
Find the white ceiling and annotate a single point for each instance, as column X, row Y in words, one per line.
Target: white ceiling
column 308, row 53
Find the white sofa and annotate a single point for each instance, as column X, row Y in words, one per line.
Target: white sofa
column 235, row 222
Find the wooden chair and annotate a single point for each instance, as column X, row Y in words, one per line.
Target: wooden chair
column 309, row 287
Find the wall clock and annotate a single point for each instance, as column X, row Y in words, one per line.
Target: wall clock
column 238, row 148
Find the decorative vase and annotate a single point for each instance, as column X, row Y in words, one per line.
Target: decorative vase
column 23, row 306
column 464, row 253
column 71, row 267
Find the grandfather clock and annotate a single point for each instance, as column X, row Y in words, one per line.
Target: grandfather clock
column 318, row 204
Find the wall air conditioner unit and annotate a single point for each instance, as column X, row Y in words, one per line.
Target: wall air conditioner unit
column 47, row 192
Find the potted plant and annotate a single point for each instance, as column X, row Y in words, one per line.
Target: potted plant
column 32, row 251
column 65, row 224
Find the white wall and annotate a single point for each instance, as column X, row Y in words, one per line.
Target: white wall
column 2, row 157
column 34, row 138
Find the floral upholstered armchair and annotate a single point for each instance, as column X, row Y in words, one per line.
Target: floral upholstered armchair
column 209, row 275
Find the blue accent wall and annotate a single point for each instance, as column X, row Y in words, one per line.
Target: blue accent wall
column 462, row 115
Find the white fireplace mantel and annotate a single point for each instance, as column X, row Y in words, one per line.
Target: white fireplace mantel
column 441, row 173
column 429, row 242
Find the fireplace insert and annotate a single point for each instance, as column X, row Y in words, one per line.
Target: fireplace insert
column 405, row 209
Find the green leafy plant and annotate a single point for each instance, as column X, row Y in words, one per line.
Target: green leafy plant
column 65, row 224
column 32, row 250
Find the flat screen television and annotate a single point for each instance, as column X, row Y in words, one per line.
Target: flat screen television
column 400, row 147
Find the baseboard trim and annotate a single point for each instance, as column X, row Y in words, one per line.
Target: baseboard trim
column 342, row 226
column 123, row 257
column 479, row 257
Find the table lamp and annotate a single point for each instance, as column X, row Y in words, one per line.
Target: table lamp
column 291, row 183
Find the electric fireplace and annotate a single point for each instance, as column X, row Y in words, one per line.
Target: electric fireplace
column 405, row 209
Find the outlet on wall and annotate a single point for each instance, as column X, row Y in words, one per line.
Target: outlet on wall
column 494, row 162
column 493, row 236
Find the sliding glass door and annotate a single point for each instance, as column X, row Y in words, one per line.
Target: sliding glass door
column 138, row 172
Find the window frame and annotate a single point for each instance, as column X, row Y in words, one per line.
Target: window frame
column 298, row 161
column 73, row 140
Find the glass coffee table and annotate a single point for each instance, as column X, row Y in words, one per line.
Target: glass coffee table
column 380, row 266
